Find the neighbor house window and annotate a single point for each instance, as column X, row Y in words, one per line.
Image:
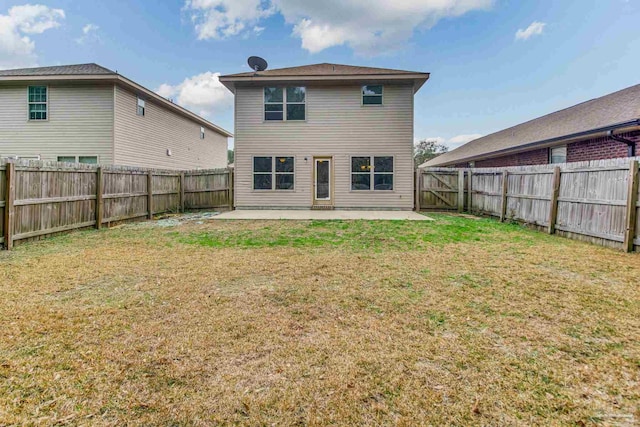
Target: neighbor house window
column 90, row 160
column 372, row 173
column 141, row 107
column 372, row 95
column 276, row 98
column 273, row 173
column 558, row 154
column 38, row 102
column 201, row 132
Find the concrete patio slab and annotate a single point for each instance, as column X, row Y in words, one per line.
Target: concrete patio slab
column 267, row 214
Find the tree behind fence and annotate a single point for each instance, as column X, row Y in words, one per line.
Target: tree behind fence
column 43, row 198
column 595, row 201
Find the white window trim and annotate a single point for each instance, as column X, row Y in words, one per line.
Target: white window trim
column 29, row 119
column 372, row 173
column 362, row 95
column 201, row 132
column 284, row 105
column 551, row 154
column 273, row 174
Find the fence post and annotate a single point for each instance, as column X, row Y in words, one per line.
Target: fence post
column 150, row 194
column 418, row 188
column 555, row 192
column 99, row 202
column 181, row 207
column 230, row 194
column 505, row 189
column 470, row 191
column 632, row 201
column 461, row 190
column 9, row 196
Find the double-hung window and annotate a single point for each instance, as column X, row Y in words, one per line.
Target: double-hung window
column 141, row 107
column 285, row 104
column 201, row 132
column 372, row 95
column 38, row 102
column 372, row 173
column 273, row 173
column 558, row 154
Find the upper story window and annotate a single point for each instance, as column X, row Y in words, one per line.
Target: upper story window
column 558, row 154
column 276, row 98
column 38, row 102
column 372, row 95
column 201, row 132
column 141, row 107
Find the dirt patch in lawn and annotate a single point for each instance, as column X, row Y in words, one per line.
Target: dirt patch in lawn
column 454, row 321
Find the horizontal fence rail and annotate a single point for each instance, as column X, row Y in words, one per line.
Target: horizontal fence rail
column 43, row 198
column 597, row 201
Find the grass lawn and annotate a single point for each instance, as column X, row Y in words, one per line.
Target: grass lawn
column 455, row 321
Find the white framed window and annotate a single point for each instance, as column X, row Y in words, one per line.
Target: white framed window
column 285, row 104
column 558, row 154
column 89, row 160
column 141, row 107
column 372, row 94
column 201, row 132
column 38, row 99
column 372, row 173
column 273, row 173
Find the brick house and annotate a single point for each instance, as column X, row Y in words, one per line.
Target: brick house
column 602, row 128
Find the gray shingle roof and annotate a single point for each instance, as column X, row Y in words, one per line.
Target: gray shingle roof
column 62, row 70
column 325, row 69
column 618, row 107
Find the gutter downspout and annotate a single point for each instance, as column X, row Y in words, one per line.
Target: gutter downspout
column 631, row 144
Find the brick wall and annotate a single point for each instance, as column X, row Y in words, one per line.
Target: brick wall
column 592, row 149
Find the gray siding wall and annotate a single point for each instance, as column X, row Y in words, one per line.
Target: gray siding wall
column 144, row 141
column 80, row 122
column 337, row 125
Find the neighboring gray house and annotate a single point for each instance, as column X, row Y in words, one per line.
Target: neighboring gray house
column 87, row 113
column 324, row 136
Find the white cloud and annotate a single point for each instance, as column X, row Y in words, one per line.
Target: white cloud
column 452, row 143
column 16, row 47
column 203, row 94
column 370, row 27
column 89, row 34
column 219, row 19
column 535, row 29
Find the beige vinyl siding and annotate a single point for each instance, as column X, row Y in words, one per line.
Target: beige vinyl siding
column 337, row 125
column 144, row 141
column 80, row 122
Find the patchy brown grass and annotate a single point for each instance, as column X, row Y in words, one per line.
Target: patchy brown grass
column 279, row 323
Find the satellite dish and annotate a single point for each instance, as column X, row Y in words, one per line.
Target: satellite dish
column 257, row 64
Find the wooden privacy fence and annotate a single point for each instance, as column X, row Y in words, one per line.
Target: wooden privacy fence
column 596, row 201
column 43, row 198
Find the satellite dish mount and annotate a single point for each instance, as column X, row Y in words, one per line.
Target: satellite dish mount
column 257, row 64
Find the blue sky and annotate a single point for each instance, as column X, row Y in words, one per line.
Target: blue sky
column 484, row 78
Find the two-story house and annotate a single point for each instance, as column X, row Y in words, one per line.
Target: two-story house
column 324, row 136
column 89, row 114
